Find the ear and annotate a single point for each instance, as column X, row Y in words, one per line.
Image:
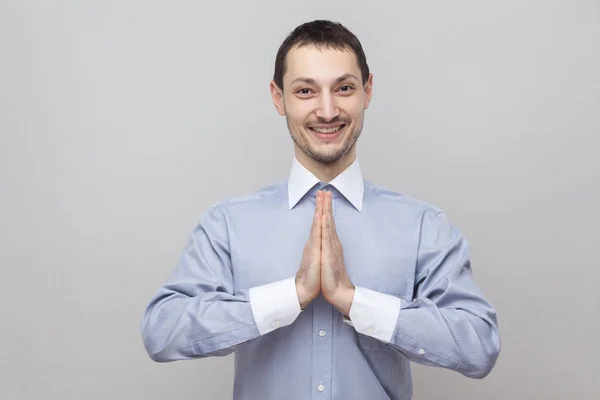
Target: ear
column 277, row 97
column 368, row 90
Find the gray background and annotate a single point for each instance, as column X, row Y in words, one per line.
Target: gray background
column 122, row 121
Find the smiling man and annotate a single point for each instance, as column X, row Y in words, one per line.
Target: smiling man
column 324, row 285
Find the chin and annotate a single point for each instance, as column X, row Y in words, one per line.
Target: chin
column 328, row 156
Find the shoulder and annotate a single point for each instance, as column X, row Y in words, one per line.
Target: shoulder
column 402, row 206
column 398, row 200
column 261, row 197
column 429, row 217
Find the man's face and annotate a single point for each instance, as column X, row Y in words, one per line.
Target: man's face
column 323, row 101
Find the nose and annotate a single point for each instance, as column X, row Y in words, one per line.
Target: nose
column 327, row 108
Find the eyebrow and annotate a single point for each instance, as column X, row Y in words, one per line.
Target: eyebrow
column 311, row 81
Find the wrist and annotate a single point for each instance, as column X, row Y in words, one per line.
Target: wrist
column 343, row 300
column 303, row 298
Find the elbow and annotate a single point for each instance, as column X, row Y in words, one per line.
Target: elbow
column 164, row 353
column 158, row 347
column 186, row 353
column 159, row 340
column 484, row 364
column 159, row 356
column 478, row 371
column 481, row 359
column 156, row 352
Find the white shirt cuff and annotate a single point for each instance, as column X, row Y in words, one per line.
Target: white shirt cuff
column 274, row 305
column 374, row 314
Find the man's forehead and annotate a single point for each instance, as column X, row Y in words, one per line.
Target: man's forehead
column 320, row 63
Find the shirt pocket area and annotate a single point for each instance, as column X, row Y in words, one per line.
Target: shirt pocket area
column 397, row 286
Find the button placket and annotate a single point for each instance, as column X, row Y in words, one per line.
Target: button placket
column 322, row 345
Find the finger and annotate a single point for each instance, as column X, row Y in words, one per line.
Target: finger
column 320, row 215
column 326, row 231
column 319, row 229
column 315, row 233
column 325, row 251
column 330, row 221
column 332, row 226
column 319, row 207
column 327, row 202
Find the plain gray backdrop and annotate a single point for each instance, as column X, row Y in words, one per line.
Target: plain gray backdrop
column 121, row 122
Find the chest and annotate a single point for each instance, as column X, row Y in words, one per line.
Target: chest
column 378, row 253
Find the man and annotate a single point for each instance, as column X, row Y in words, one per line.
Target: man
column 324, row 285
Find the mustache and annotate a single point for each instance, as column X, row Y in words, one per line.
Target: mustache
column 322, row 121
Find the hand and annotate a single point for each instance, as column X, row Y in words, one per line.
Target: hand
column 308, row 278
column 335, row 284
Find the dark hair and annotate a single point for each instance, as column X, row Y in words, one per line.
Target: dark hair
column 320, row 33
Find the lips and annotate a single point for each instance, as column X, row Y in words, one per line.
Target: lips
column 328, row 133
column 327, row 130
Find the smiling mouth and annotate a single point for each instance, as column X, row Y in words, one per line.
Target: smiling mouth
column 328, row 134
column 327, row 130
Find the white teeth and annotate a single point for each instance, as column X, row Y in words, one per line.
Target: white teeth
column 328, row 130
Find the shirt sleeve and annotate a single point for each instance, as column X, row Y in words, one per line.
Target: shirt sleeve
column 373, row 313
column 448, row 323
column 275, row 304
column 197, row 313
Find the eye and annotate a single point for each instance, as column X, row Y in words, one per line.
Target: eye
column 346, row 89
column 304, row 91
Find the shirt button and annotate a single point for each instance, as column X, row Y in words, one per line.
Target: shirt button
column 276, row 324
column 421, row 351
column 370, row 331
column 320, row 388
column 321, row 333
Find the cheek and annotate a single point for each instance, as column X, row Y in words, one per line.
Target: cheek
column 353, row 107
column 298, row 113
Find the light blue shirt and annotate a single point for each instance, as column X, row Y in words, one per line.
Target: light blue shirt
column 233, row 291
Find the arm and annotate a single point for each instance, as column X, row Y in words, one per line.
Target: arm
column 197, row 313
column 449, row 323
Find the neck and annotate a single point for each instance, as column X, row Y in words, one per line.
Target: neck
column 325, row 172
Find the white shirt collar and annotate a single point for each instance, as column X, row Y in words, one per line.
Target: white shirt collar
column 349, row 183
